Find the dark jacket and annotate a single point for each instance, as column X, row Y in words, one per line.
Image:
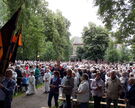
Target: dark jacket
column 69, row 81
column 56, row 83
column 9, row 91
column 130, row 95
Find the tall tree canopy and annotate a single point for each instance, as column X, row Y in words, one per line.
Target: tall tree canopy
column 119, row 14
column 42, row 29
column 95, row 42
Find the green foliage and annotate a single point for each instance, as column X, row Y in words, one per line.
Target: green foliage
column 133, row 52
column 95, row 42
column 49, row 52
column 117, row 54
column 112, row 54
column 80, row 53
column 125, row 54
column 3, row 13
column 118, row 14
column 44, row 32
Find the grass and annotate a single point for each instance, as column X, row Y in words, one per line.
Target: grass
column 23, row 93
column 39, row 85
column 19, row 94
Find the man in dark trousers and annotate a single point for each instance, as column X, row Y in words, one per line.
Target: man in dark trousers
column 68, row 87
column 7, row 87
column 130, row 95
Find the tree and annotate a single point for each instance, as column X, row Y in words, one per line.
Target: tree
column 42, row 30
column 80, row 53
column 118, row 14
column 49, row 52
column 133, row 51
column 3, row 13
column 95, row 42
column 112, row 54
column 125, row 54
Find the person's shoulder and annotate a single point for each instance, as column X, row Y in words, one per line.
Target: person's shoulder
column 59, row 79
column 72, row 78
column 133, row 86
column 12, row 82
column 85, row 84
column 101, row 81
column 118, row 79
column 109, row 79
column 92, row 80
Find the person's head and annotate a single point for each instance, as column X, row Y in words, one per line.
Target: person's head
column 108, row 74
column 73, row 74
column 85, row 76
column 32, row 73
column 56, row 74
column 123, row 74
column 98, row 75
column 113, row 74
column 9, row 73
column 37, row 66
column 17, row 67
column 31, row 66
column 24, row 74
column 131, row 81
column 131, row 75
column 69, row 73
column 47, row 70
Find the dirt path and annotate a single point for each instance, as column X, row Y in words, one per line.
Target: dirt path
column 39, row 100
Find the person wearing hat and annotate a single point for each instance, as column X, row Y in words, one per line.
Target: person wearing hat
column 7, row 87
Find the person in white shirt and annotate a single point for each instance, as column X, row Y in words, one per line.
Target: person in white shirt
column 62, row 82
column 47, row 78
column 97, row 86
column 83, row 92
column 76, row 83
column 31, row 88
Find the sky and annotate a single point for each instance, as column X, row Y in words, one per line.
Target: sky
column 78, row 12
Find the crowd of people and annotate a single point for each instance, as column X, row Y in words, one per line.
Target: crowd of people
column 77, row 80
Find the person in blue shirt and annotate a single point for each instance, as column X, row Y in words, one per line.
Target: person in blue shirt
column 7, row 87
column 25, row 82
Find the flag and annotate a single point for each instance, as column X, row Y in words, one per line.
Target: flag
column 20, row 40
column 14, row 39
column 7, row 32
column 14, row 52
column 14, row 47
column 1, row 47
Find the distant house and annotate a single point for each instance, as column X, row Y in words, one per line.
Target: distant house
column 76, row 42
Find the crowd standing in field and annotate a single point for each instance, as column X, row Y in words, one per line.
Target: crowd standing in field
column 77, row 80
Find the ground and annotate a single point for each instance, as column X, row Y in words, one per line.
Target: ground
column 39, row 100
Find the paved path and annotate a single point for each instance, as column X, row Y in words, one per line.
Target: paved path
column 39, row 100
